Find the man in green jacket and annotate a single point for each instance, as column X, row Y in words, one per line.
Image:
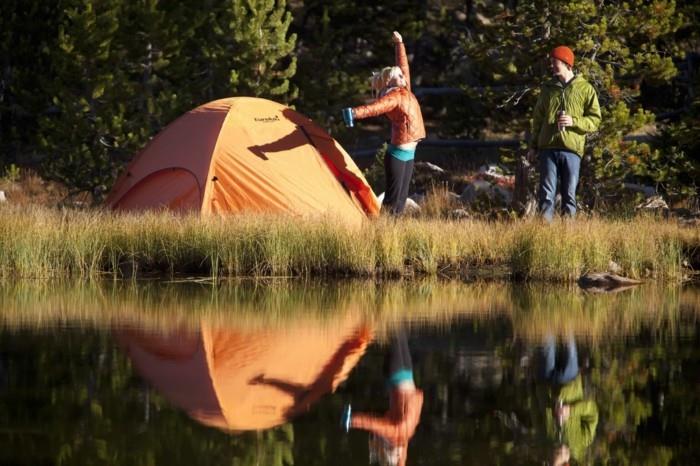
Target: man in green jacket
column 566, row 110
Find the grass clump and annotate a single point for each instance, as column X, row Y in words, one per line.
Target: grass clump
column 51, row 243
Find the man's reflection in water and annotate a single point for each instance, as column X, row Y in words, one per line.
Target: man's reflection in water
column 570, row 420
column 391, row 432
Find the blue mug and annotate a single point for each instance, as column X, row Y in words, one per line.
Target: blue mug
column 347, row 117
column 345, row 418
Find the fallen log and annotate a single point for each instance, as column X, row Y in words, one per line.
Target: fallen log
column 606, row 282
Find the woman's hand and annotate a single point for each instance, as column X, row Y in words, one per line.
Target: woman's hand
column 396, row 38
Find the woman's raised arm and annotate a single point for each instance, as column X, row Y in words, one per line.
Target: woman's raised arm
column 401, row 58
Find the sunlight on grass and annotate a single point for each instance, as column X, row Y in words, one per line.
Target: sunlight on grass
column 46, row 243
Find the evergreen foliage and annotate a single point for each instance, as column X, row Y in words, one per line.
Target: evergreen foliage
column 675, row 162
column 261, row 47
column 26, row 30
column 677, row 166
column 88, row 92
column 84, row 84
column 84, row 94
column 618, row 45
column 340, row 44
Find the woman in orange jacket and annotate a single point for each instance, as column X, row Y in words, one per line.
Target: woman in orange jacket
column 391, row 432
column 395, row 100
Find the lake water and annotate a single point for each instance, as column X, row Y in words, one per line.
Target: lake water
column 260, row 373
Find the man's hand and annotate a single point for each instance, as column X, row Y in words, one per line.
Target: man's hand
column 396, row 38
column 565, row 120
column 562, row 412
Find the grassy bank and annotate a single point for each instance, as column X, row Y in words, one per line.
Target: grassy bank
column 48, row 243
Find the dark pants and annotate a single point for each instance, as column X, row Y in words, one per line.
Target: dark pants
column 555, row 164
column 398, row 177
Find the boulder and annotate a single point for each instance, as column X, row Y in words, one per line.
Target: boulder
column 654, row 204
column 411, row 206
column 648, row 191
column 476, row 189
column 496, row 175
column 489, row 184
column 428, row 167
column 486, row 190
column 459, row 214
column 417, row 198
column 504, row 194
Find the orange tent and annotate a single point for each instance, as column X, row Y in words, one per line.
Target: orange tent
column 245, row 154
column 236, row 379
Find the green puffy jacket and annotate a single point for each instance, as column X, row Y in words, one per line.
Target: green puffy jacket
column 578, row 99
column 579, row 430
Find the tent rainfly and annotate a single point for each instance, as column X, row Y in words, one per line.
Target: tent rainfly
column 238, row 379
column 245, row 154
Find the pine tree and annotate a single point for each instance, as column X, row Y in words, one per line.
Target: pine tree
column 619, row 45
column 84, row 84
column 261, row 55
column 341, row 43
column 26, row 30
column 676, row 166
column 88, row 89
column 239, row 47
column 120, row 71
column 152, row 33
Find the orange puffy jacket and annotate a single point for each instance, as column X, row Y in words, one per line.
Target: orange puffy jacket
column 399, row 105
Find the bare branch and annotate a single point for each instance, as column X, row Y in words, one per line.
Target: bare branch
column 516, row 96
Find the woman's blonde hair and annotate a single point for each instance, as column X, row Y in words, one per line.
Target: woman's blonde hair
column 382, row 452
column 387, row 77
column 376, row 83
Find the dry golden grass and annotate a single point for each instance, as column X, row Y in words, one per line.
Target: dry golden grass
column 52, row 243
column 25, row 188
column 439, row 202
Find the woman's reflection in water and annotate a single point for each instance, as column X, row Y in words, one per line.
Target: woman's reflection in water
column 391, row 432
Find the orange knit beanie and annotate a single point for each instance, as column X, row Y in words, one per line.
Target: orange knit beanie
column 564, row 54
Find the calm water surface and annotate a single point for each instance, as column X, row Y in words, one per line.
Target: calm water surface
column 261, row 373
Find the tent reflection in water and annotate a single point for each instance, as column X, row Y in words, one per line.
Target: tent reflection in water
column 235, row 379
column 245, row 154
